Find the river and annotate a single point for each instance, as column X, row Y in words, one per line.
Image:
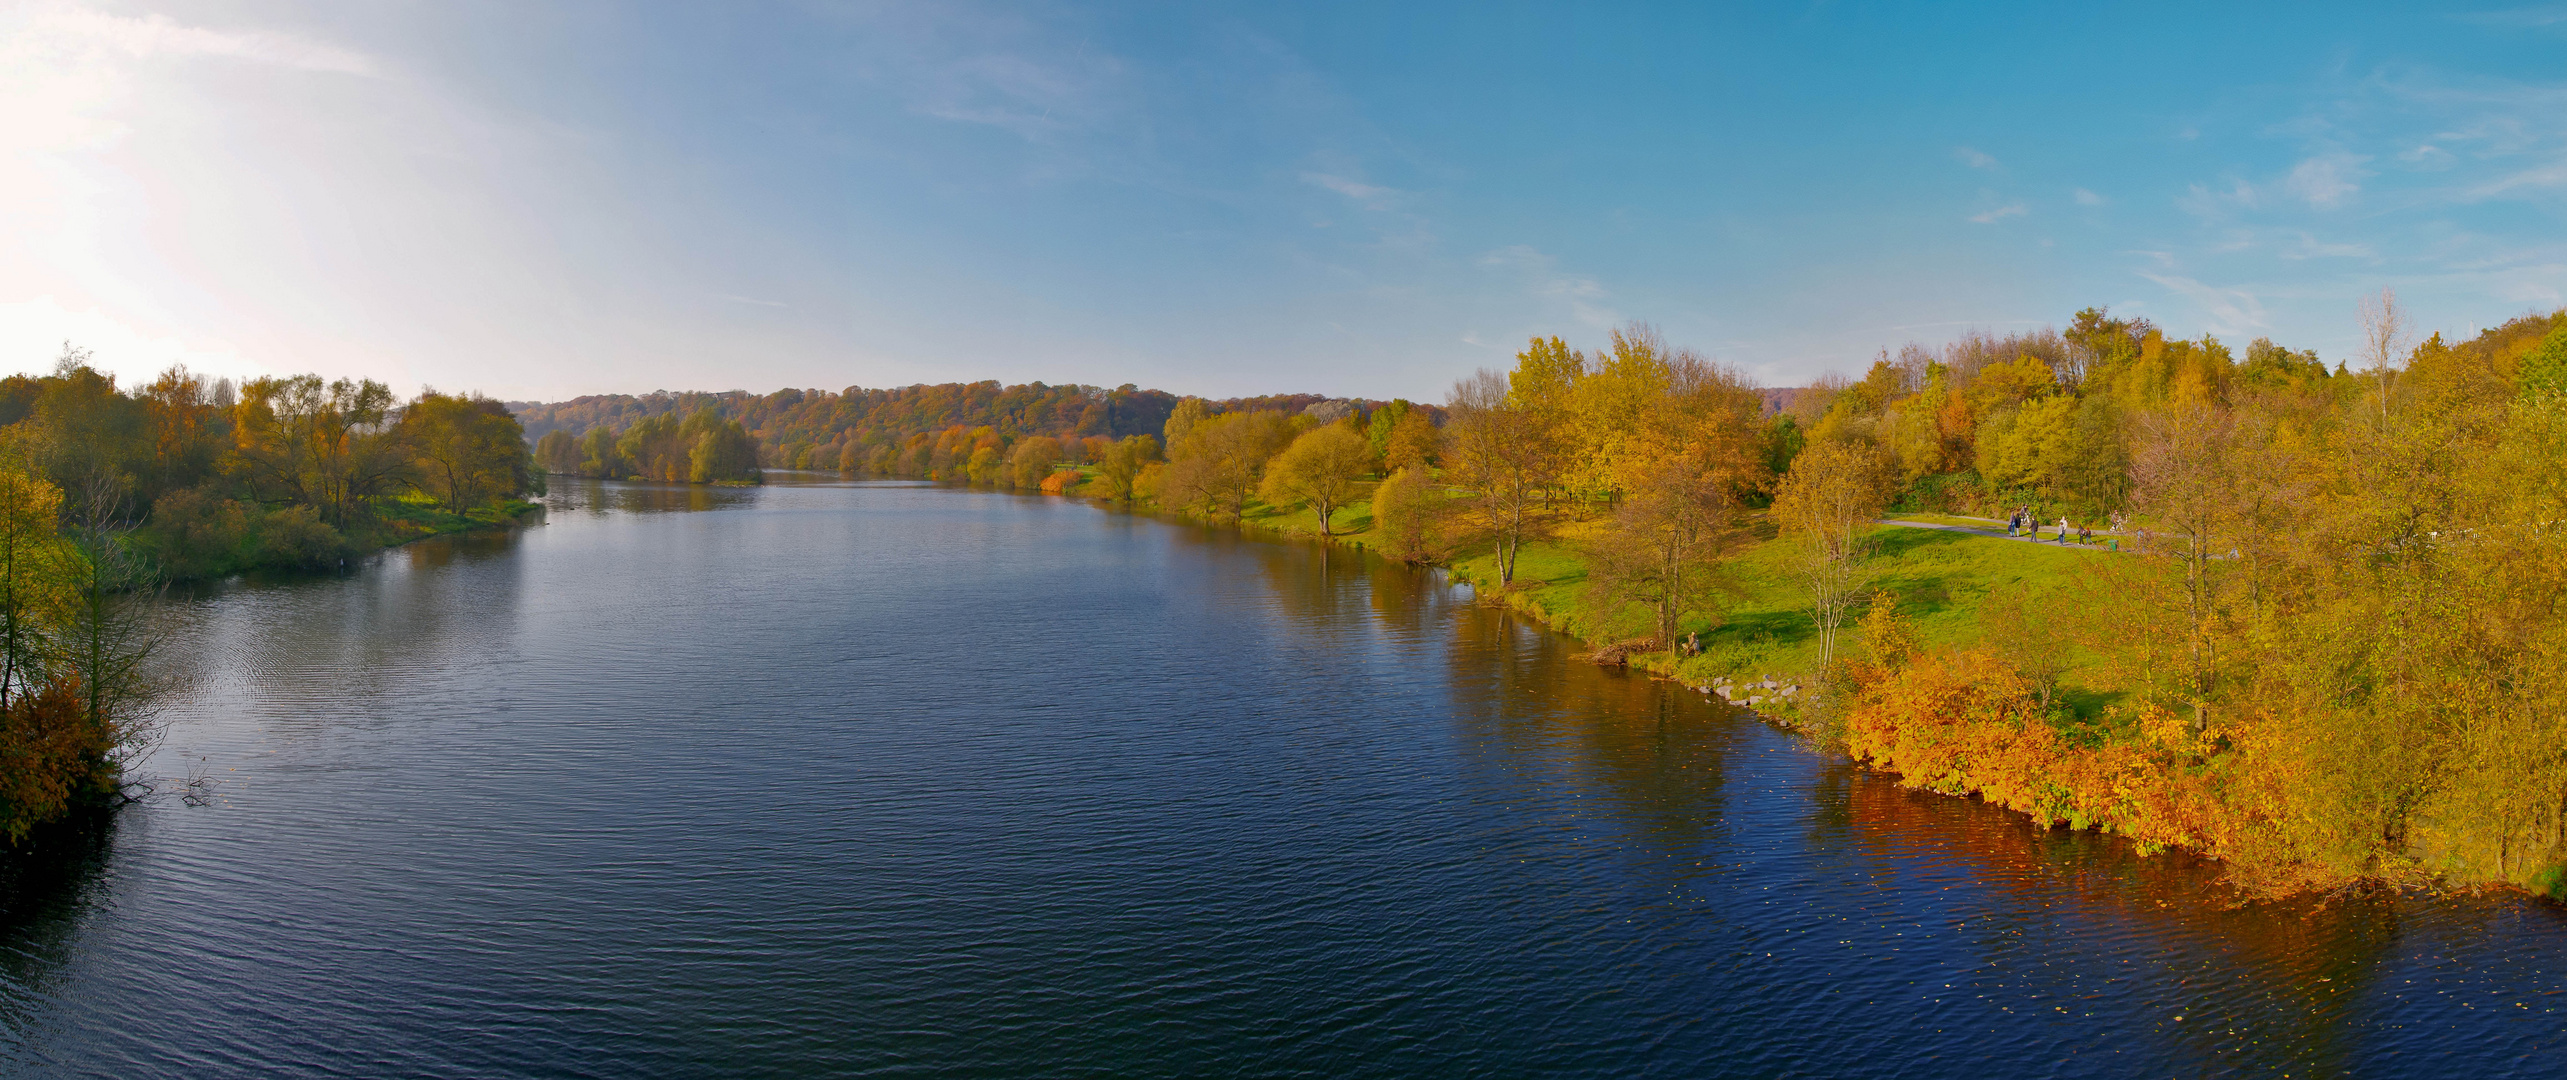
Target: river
column 891, row 779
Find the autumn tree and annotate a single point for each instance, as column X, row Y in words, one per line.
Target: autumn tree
column 717, row 449
column 558, row 453
column 1544, row 383
column 1828, row 500
column 1610, row 403
column 1323, row 469
column 2184, row 476
column 1498, row 455
column 1216, row 465
column 189, row 430
column 1413, row 442
column 1119, row 465
column 326, row 445
column 466, row 450
column 1032, row 460
column 2028, row 627
column 1693, row 459
column 1407, row 517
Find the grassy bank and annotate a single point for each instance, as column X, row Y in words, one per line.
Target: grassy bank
column 1935, row 579
column 199, row 539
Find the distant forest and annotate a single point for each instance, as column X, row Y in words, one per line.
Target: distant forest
column 893, row 431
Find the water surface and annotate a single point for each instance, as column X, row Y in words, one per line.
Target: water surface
column 901, row 780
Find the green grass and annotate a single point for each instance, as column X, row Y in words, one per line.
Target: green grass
column 1936, row 578
column 1952, row 519
column 1349, row 524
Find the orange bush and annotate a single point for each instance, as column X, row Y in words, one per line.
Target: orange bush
column 1966, row 723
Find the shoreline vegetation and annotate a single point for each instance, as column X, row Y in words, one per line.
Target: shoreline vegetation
column 107, row 494
column 2305, row 620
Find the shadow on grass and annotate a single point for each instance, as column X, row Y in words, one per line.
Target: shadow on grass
column 2087, row 703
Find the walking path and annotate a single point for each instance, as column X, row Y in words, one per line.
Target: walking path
column 1996, row 531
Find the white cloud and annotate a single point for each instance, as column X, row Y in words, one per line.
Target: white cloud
column 1973, row 158
column 2326, row 181
column 1583, row 296
column 2232, row 311
column 2427, row 156
column 2001, row 213
column 1371, row 196
column 2088, row 198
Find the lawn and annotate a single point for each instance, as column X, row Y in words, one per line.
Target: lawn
column 1936, row 578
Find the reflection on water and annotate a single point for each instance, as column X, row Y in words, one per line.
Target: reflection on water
column 882, row 778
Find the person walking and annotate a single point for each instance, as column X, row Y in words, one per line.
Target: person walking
column 2063, row 528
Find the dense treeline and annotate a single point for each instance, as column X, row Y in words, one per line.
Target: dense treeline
column 925, row 431
column 104, row 492
column 703, row 448
column 198, row 477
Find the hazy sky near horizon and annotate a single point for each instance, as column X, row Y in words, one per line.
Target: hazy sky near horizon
column 543, row 200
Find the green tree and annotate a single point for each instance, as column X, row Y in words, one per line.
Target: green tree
column 2544, row 368
column 1119, row 468
column 718, row 449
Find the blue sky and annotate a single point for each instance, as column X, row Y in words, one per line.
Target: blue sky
column 538, row 201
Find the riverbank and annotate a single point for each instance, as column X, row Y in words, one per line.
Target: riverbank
column 204, row 540
column 2033, row 676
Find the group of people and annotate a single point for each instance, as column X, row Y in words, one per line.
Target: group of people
column 2022, row 522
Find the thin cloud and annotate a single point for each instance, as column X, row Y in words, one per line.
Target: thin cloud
column 1371, row 195
column 2328, row 180
column 2517, row 18
column 2232, row 311
column 2551, row 175
column 2202, row 202
column 1584, row 296
column 2001, row 213
column 1973, row 158
column 2088, row 198
column 2311, row 247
